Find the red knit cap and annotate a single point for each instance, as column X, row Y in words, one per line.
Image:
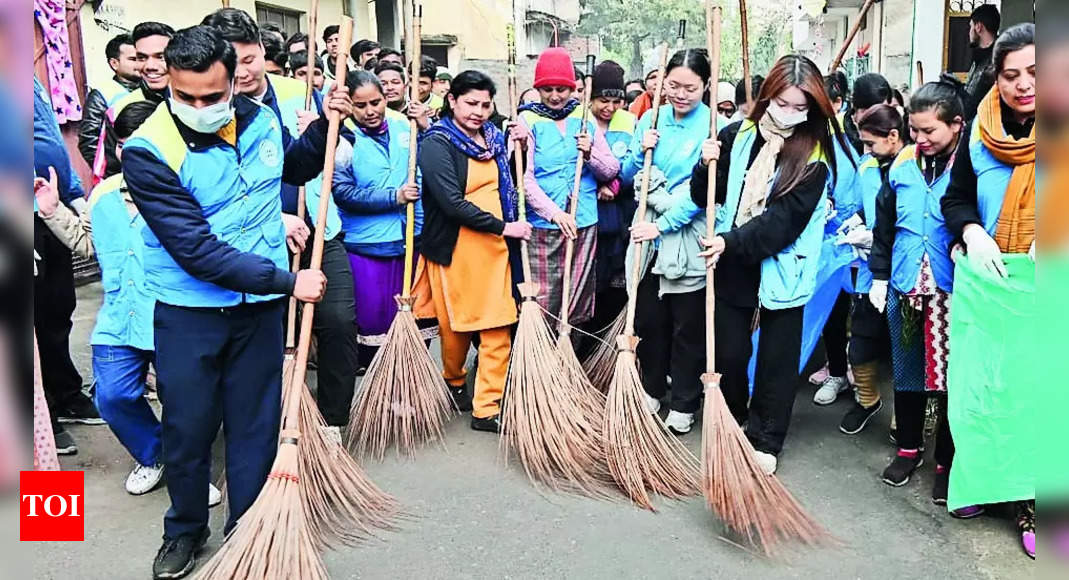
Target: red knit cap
column 554, row 69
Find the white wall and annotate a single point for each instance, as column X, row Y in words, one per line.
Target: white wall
column 928, row 24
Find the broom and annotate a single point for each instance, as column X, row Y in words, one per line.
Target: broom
column 601, row 363
column 273, row 540
column 540, row 419
column 403, row 398
column 642, row 455
column 752, row 504
column 342, row 504
column 591, row 399
column 746, row 53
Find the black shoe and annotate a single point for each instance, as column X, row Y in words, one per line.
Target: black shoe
column 857, row 417
column 489, row 424
column 80, row 409
column 178, row 556
column 940, row 487
column 901, row 468
column 461, row 400
column 65, row 444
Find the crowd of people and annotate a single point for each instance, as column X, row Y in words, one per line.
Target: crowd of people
column 200, row 141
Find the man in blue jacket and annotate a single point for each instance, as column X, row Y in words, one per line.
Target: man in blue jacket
column 205, row 171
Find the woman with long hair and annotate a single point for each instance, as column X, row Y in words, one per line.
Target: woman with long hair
column 880, row 132
column 772, row 189
column 991, row 201
column 371, row 190
column 671, row 290
column 556, row 138
column 465, row 280
column 913, row 276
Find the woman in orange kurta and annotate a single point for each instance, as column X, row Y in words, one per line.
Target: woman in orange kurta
column 465, row 280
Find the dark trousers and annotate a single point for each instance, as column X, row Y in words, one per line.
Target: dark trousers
column 835, row 338
column 53, row 306
column 909, row 418
column 335, row 329
column 776, row 378
column 869, row 338
column 672, row 329
column 217, row 366
column 608, row 304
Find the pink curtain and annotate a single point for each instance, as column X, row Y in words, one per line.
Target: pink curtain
column 52, row 16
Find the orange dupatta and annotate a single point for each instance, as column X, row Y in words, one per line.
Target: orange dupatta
column 1017, row 221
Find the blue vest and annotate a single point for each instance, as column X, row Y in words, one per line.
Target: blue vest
column 376, row 168
column 125, row 317
column 554, row 167
column 992, row 178
column 789, row 278
column 289, row 95
column 238, row 189
column 868, row 184
column 920, row 227
column 844, row 190
column 618, row 135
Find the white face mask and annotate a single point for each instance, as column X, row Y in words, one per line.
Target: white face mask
column 785, row 118
column 207, row 119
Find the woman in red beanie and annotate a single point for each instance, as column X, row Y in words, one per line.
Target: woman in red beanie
column 552, row 129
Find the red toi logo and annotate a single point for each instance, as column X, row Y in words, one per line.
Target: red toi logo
column 51, row 506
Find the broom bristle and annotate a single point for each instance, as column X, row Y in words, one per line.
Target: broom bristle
column 342, row 504
column 591, row 400
column 754, row 505
column 542, row 420
column 601, row 363
column 642, row 455
column 272, row 540
column 403, row 398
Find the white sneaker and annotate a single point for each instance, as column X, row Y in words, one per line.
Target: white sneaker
column 143, row 479
column 766, row 461
column 818, row 377
column 679, row 423
column 830, row 390
column 215, row 497
column 654, row 405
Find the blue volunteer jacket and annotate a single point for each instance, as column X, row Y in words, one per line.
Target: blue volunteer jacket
column 868, row 185
column 554, row 167
column 215, row 236
column 920, row 227
column 992, row 178
column 365, row 189
column 789, row 278
column 49, row 149
column 844, row 192
column 678, row 150
column 285, row 96
column 125, row 317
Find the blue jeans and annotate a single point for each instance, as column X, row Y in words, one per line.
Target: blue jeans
column 120, row 378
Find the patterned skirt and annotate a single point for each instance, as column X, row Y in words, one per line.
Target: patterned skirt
column 547, row 269
column 920, row 339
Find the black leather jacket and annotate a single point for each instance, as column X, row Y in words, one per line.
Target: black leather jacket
column 93, row 119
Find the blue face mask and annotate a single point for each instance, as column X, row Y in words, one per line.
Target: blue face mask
column 206, row 119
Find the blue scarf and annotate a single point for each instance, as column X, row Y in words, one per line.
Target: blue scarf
column 496, row 150
column 556, row 114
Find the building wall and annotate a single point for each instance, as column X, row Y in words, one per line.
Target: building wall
column 125, row 14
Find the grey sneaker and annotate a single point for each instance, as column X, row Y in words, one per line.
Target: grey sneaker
column 830, row 390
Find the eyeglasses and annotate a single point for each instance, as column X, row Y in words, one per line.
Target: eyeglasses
column 725, row 110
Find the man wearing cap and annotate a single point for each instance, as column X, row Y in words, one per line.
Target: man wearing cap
column 442, row 82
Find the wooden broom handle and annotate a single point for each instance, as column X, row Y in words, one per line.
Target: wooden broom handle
column 644, row 190
column 573, row 210
column 345, row 38
column 413, row 42
column 746, row 54
column 712, row 39
column 291, row 313
column 920, row 74
column 850, row 37
column 510, row 33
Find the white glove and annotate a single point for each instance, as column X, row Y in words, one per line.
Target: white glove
column 850, row 223
column 878, row 295
column 1032, row 251
column 983, row 250
column 860, row 238
column 829, row 211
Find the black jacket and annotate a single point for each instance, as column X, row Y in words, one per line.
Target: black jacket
column 93, row 114
column 445, row 181
column 980, row 80
column 738, row 273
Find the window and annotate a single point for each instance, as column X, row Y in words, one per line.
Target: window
column 289, row 21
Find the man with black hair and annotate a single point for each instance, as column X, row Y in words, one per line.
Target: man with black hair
column 428, row 70
column 150, row 40
column 395, row 88
column 363, row 51
column 297, row 42
column 330, row 54
column 387, row 54
column 634, row 85
column 274, row 55
column 205, row 171
column 335, row 318
column 123, row 62
column 984, row 23
column 299, row 69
